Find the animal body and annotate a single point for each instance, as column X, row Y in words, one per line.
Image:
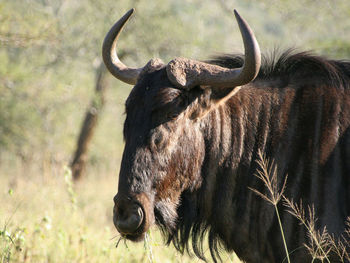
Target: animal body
column 193, row 131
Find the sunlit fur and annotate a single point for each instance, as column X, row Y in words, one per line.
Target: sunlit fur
column 194, row 154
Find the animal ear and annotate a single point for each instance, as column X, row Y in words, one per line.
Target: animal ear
column 208, row 100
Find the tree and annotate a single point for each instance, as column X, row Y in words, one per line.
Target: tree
column 90, row 122
column 48, row 49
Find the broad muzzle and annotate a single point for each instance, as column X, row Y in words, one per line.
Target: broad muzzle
column 127, row 215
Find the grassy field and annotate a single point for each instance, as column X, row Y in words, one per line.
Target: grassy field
column 44, row 218
column 50, row 53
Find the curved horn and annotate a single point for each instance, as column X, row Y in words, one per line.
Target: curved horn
column 186, row 73
column 110, row 57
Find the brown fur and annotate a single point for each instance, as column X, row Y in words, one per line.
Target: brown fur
column 193, row 154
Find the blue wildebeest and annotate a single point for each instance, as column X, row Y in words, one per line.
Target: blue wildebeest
column 192, row 134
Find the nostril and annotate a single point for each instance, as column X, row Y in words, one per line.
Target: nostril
column 127, row 220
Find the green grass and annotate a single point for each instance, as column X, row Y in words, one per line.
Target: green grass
column 44, row 218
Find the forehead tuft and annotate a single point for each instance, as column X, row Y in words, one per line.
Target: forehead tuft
column 153, row 85
column 152, row 65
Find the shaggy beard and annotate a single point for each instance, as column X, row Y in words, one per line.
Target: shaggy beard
column 182, row 222
column 176, row 221
column 166, row 216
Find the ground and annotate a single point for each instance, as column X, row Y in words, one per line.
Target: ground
column 45, row 218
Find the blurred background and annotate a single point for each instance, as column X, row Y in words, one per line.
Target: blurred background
column 54, row 90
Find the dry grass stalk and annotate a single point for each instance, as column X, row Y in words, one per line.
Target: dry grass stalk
column 319, row 243
column 341, row 245
column 268, row 175
column 339, row 248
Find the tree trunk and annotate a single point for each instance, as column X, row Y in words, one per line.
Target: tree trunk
column 89, row 125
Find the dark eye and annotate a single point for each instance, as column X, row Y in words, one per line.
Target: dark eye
column 157, row 139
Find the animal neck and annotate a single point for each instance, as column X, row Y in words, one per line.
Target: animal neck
column 234, row 131
column 233, row 134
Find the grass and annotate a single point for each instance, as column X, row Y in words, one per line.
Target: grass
column 45, row 218
column 268, row 174
column 320, row 243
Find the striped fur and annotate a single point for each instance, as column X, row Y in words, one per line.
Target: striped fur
column 195, row 156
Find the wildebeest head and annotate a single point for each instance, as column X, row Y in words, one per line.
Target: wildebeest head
column 163, row 131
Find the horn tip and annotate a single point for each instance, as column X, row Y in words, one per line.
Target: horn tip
column 131, row 11
column 237, row 15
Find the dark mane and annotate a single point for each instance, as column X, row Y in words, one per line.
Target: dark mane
column 293, row 66
column 290, row 67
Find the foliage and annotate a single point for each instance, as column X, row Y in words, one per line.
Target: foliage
column 50, row 50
